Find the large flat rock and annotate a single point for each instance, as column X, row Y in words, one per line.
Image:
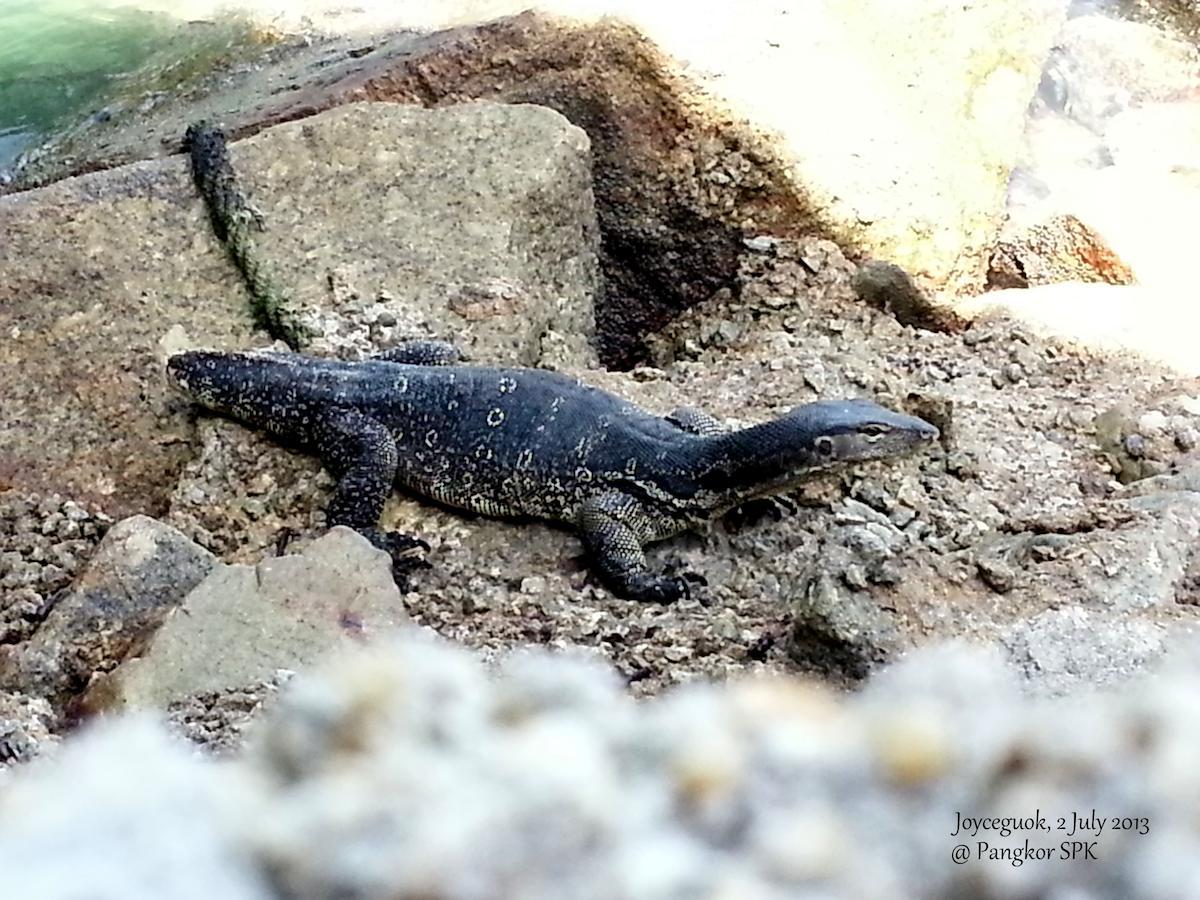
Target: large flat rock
column 383, row 221
column 243, row 624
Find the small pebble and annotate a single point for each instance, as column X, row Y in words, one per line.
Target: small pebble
column 677, row 653
column 761, row 243
column 533, row 584
column 885, row 571
column 977, row 335
column 1135, row 446
column 996, row 574
column 52, row 575
column 814, row 377
column 855, row 576
column 74, row 511
column 1095, row 484
column 872, row 493
column 1153, row 421
column 962, row 464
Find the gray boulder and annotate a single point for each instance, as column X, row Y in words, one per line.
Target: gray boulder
column 702, row 127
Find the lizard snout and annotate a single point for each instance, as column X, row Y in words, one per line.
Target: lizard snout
column 182, row 369
column 192, row 370
column 177, row 370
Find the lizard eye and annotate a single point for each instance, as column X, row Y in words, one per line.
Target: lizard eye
column 824, row 446
column 873, row 429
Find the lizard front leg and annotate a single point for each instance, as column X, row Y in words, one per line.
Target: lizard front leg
column 610, row 530
column 696, row 421
column 362, row 455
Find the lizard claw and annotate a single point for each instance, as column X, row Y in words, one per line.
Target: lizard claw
column 255, row 217
column 667, row 588
column 674, row 569
column 403, row 545
column 403, row 568
column 694, row 580
column 405, row 550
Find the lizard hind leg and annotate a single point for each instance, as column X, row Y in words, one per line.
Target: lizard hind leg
column 608, row 526
column 362, row 455
column 421, row 352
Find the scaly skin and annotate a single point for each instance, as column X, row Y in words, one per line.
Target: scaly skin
column 532, row 444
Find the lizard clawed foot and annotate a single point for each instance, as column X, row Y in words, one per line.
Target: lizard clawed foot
column 400, row 545
column 254, row 216
column 405, row 551
column 667, row 588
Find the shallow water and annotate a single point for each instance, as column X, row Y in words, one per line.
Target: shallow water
column 61, row 60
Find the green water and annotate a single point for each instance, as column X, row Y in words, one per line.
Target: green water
column 63, row 60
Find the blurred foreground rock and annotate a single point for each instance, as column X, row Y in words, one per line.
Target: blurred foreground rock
column 411, row 771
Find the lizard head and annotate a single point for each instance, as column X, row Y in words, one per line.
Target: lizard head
column 216, row 380
column 778, row 455
column 832, row 432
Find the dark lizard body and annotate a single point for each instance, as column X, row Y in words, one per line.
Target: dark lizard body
column 510, row 442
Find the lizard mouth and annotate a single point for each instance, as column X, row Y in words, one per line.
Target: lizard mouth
column 177, row 375
column 176, row 370
column 191, row 371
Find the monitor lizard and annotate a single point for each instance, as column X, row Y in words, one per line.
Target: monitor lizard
column 531, row 443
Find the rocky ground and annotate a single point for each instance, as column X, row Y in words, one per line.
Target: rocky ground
column 1002, row 535
column 1017, row 531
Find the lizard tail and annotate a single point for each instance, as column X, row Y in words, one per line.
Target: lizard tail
column 233, row 222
